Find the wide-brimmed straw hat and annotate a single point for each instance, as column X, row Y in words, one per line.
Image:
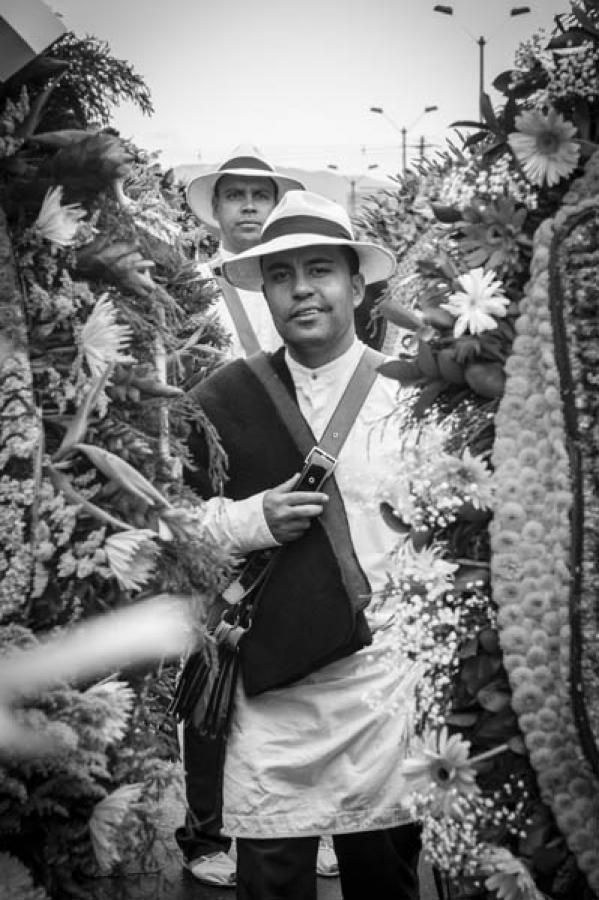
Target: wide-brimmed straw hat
column 244, row 161
column 304, row 219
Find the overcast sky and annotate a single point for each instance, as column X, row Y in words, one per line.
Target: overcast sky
column 297, row 77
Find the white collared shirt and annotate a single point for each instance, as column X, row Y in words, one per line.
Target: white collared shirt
column 241, row 524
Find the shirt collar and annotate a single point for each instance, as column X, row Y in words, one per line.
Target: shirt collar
column 330, row 371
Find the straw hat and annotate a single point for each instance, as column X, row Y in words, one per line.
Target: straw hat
column 245, row 161
column 304, row 219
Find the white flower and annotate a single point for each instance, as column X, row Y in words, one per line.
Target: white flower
column 106, row 821
column 439, row 768
column 543, row 146
column 117, row 699
column 511, row 879
column 426, row 567
column 56, row 223
column 476, row 305
column 132, row 556
column 102, row 340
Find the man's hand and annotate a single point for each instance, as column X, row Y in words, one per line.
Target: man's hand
column 288, row 513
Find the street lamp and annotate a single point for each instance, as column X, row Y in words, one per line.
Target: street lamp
column 403, row 131
column 447, row 10
column 352, row 183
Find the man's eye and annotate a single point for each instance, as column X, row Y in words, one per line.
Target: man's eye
column 278, row 277
column 319, row 271
column 233, row 195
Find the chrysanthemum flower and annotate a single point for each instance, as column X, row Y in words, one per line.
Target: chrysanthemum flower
column 439, row 768
column 425, row 566
column 510, row 878
column 476, row 306
column 544, row 147
column 57, row 223
column 132, row 556
column 106, row 820
column 102, row 340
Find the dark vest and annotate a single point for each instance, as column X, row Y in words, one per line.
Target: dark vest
column 304, row 602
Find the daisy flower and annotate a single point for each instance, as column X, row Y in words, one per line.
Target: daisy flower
column 544, row 147
column 106, row 821
column 479, row 301
column 57, row 223
column 131, row 556
column 510, row 878
column 102, row 340
column 440, row 769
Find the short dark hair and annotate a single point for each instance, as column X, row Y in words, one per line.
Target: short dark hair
column 275, row 186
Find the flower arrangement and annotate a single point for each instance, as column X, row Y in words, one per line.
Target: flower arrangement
column 498, row 326
column 104, row 325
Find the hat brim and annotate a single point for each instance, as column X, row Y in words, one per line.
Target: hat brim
column 201, row 189
column 244, row 271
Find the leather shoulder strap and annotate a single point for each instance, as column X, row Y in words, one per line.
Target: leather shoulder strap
column 334, row 518
column 241, row 321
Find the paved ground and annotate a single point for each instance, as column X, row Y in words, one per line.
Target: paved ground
column 172, row 882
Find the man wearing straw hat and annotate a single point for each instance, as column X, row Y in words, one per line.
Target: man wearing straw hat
column 320, row 720
column 236, row 198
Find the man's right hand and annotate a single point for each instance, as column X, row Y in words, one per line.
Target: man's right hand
column 288, row 513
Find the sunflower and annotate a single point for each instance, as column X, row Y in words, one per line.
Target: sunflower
column 477, row 304
column 440, row 770
column 57, row 223
column 544, row 147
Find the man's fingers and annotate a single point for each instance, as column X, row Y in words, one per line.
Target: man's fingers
column 305, row 511
column 287, row 486
column 299, row 498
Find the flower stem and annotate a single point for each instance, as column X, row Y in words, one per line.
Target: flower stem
column 489, row 754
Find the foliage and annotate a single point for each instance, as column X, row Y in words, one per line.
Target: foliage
column 479, row 345
column 105, row 326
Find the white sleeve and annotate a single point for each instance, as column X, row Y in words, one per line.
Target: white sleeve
column 239, row 525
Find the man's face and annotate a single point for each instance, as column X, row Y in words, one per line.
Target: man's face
column 311, row 296
column 240, row 206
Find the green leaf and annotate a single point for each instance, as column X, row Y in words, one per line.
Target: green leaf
column 446, row 214
column 401, row 370
column 462, row 719
column 78, row 424
column 479, row 671
column 426, row 360
column 488, row 114
column 391, row 520
column 124, row 474
column 469, row 123
column 493, row 698
column 496, row 728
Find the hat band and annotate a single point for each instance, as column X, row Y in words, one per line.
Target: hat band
column 305, row 225
column 246, row 162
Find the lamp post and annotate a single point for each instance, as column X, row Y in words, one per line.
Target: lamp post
column 447, row 10
column 403, row 130
column 352, row 181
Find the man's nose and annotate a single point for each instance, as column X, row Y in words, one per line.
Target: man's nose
column 248, row 201
column 302, row 286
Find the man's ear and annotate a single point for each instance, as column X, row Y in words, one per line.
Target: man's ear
column 358, row 288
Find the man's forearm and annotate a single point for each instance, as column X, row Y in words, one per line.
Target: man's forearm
column 238, row 525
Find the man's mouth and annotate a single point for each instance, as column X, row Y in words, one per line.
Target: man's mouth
column 248, row 222
column 306, row 312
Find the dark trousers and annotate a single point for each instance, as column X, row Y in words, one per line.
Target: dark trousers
column 382, row 865
column 203, row 765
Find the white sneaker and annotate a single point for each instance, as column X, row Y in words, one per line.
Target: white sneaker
column 214, row 868
column 326, row 861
